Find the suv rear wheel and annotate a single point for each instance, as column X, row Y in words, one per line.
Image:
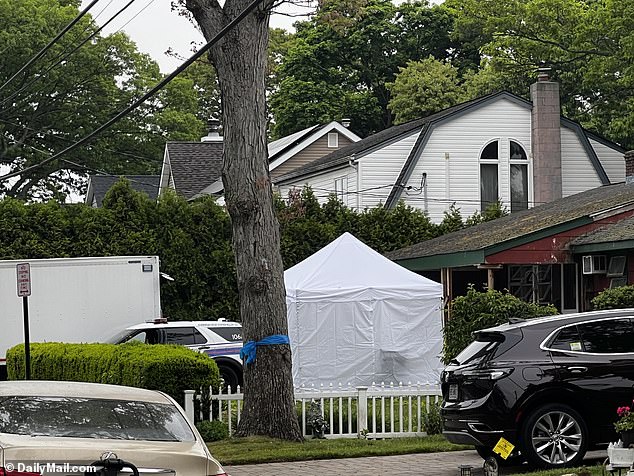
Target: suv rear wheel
column 554, row 436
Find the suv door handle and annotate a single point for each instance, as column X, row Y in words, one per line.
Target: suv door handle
column 578, row 370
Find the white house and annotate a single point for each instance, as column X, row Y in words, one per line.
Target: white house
column 497, row 146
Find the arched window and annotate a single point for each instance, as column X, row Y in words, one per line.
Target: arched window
column 519, row 177
column 489, row 192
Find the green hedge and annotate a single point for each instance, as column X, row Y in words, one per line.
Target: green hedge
column 479, row 310
column 615, row 298
column 168, row 368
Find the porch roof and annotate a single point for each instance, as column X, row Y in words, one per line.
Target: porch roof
column 615, row 236
column 471, row 246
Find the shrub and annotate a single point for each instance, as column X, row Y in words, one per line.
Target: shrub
column 479, row 310
column 213, row 430
column 615, row 298
column 169, row 368
column 432, row 421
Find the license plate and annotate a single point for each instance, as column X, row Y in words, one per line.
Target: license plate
column 453, row 392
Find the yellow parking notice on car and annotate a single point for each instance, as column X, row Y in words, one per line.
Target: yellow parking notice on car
column 504, row 448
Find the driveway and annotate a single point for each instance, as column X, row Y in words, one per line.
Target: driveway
column 427, row 464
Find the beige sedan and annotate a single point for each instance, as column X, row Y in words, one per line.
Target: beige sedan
column 73, row 428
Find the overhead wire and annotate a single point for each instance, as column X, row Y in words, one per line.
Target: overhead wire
column 64, row 139
column 86, row 167
column 64, row 56
column 43, row 51
column 326, row 192
column 136, row 14
column 145, row 97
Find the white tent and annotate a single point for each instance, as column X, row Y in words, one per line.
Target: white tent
column 355, row 317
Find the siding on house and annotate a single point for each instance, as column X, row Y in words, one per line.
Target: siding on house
column 314, row 151
column 380, row 169
column 611, row 159
column 323, row 185
column 451, row 156
column 439, row 158
column 577, row 172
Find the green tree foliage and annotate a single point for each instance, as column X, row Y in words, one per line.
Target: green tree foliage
column 480, row 310
column 307, row 226
column 452, row 221
column 615, row 298
column 589, row 45
column 423, row 88
column 46, row 109
column 339, row 62
column 193, row 239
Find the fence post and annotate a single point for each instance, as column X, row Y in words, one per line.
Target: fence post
column 362, row 411
column 189, row 404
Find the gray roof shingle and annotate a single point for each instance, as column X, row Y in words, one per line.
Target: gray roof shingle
column 195, row 165
column 521, row 224
column 620, row 231
column 147, row 184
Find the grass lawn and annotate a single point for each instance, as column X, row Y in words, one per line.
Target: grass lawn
column 585, row 471
column 267, row 450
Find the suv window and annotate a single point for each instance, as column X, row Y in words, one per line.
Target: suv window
column 567, row 339
column 476, row 351
column 612, row 336
column 232, row 334
column 608, row 337
column 183, row 336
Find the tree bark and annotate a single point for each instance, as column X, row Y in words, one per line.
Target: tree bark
column 240, row 59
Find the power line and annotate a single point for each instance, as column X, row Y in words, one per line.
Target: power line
column 146, row 96
column 64, row 139
column 50, row 44
column 101, row 172
column 63, row 57
column 326, row 192
column 136, row 14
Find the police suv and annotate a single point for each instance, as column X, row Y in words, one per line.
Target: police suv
column 220, row 340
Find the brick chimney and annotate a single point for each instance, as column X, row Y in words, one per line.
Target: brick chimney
column 629, row 167
column 546, row 138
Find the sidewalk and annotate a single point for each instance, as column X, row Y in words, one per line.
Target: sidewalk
column 427, row 464
column 423, row 464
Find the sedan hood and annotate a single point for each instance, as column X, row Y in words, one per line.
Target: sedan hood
column 150, row 457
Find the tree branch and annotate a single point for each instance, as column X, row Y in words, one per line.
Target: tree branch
column 517, row 34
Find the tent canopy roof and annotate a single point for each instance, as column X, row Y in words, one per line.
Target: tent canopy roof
column 348, row 263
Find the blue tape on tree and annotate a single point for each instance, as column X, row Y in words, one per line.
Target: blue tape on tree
column 247, row 354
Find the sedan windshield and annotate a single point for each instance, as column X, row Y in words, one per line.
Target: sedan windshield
column 92, row 418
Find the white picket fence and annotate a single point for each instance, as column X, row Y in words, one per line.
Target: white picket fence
column 379, row 411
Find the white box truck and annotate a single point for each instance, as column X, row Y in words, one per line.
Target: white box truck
column 77, row 299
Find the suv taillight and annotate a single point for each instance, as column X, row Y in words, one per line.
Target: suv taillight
column 487, row 374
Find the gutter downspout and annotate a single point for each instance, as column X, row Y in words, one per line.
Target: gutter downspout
column 352, row 162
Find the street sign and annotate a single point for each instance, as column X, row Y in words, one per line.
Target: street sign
column 24, row 279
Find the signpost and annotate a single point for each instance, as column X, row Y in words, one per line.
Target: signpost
column 23, row 273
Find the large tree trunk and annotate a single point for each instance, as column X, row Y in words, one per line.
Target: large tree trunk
column 240, row 59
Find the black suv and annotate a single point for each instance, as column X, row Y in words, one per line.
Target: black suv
column 550, row 386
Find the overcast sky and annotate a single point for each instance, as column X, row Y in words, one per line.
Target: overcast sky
column 155, row 28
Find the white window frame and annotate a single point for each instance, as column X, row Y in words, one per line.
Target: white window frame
column 341, row 189
column 526, row 163
column 333, row 140
column 495, row 162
